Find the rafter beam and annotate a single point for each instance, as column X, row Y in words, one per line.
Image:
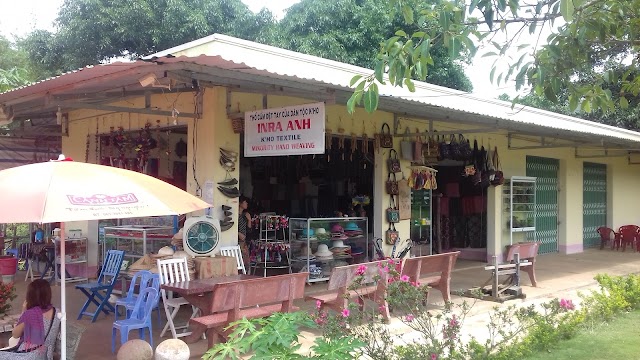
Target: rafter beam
column 605, row 153
column 452, row 132
column 150, row 111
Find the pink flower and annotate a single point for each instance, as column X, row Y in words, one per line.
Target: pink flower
column 404, row 278
column 345, row 313
column 567, row 304
column 409, row 318
column 318, row 304
column 434, row 357
column 361, row 269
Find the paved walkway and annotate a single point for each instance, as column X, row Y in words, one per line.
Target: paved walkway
column 558, row 275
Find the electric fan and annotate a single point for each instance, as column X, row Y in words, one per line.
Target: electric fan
column 201, row 235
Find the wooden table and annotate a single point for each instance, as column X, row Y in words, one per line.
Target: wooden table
column 199, row 293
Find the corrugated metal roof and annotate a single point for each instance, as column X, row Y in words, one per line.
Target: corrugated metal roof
column 235, row 59
column 285, row 62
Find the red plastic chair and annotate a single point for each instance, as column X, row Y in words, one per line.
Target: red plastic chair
column 607, row 235
column 627, row 234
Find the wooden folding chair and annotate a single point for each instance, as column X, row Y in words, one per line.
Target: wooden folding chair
column 174, row 270
column 98, row 292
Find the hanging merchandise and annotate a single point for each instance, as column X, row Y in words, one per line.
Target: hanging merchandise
column 491, row 168
column 406, row 146
column 498, row 178
column 476, row 178
column 392, row 184
column 386, row 139
column 444, row 148
column 391, row 235
column 180, row 148
column 430, row 151
column 465, row 147
column 417, row 148
column 454, row 148
column 393, row 162
column 393, row 213
column 484, row 179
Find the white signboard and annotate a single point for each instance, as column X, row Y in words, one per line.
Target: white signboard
column 292, row 130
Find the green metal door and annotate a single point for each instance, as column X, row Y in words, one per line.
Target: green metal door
column 594, row 202
column 545, row 170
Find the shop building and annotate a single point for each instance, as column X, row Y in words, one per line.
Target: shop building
column 192, row 101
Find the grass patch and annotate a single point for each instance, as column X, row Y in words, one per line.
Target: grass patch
column 617, row 339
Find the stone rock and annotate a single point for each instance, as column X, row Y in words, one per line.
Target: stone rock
column 135, row 349
column 172, row 349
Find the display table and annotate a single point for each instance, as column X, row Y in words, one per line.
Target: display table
column 210, row 267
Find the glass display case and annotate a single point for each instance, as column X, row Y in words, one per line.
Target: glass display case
column 136, row 240
column 75, row 251
column 320, row 244
column 519, row 200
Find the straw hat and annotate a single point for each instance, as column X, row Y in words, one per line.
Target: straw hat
column 323, row 251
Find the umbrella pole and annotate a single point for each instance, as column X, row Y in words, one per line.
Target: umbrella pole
column 63, row 296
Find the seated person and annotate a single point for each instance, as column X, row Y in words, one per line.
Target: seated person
column 35, row 323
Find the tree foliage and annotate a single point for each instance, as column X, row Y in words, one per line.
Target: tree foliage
column 350, row 31
column 92, row 31
column 585, row 34
column 13, row 66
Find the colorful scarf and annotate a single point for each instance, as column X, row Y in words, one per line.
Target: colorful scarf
column 34, row 331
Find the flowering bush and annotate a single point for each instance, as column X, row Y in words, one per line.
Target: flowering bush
column 7, row 294
column 360, row 331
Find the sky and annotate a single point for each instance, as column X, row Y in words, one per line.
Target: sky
column 21, row 17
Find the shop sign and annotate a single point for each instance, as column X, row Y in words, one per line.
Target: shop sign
column 291, row 130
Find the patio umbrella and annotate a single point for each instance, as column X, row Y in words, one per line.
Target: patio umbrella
column 64, row 190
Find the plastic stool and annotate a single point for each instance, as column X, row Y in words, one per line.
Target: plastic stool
column 13, row 252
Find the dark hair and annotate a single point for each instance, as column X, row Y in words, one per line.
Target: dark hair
column 243, row 199
column 39, row 294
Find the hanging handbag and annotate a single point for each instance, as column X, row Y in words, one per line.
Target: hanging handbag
column 444, row 149
column 498, row 178
column 386, row 139
column 392, row 185
column 417, row 149
column 430, row 151
column 393, row 213
column 484, row 178
column 391, row 235
column 491, row 168
column 465, row 147
column 476, row 178
column 454, row 148
column 393, row 162
column 406, row 146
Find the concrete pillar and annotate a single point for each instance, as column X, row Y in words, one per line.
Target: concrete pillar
column 494, row 222
column 570, row 207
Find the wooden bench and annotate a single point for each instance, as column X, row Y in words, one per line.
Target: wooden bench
column 338, row 293
column 432, row 270
column 528, row 251
column 255, row 298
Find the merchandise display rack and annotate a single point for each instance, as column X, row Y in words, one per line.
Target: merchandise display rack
column 305, row 238
column 75, row 254
column 271, row 252
column 519, row 200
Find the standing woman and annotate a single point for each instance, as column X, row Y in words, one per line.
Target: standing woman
column 37, row 328
column 244, row 229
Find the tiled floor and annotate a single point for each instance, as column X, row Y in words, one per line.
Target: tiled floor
column 558, row 276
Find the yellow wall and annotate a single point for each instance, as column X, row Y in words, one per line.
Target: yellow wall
column 214, row 130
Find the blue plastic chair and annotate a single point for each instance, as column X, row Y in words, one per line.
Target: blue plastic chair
column 140, row 318
column 147, row 279
column 98, row 292
column 142, row 277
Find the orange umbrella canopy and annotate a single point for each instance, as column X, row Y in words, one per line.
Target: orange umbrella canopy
column 60, row 191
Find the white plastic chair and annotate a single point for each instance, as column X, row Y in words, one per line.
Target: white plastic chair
column 174, row 270
column 234, row 251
